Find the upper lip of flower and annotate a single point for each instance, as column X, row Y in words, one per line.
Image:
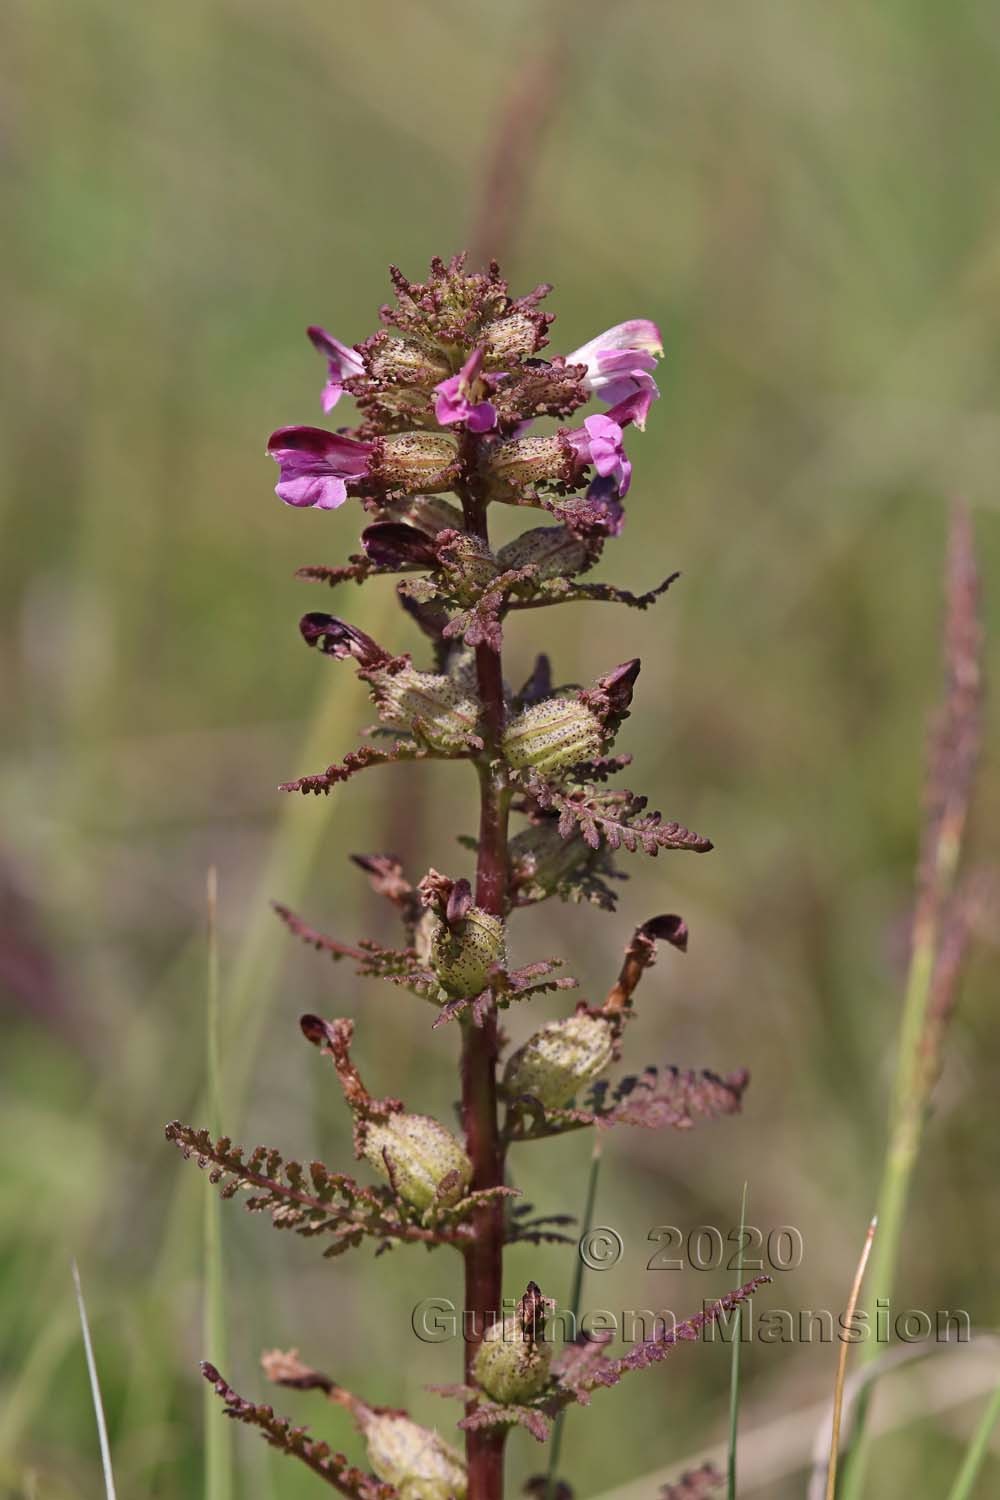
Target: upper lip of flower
column 342, row 362
column 316, row 465
column 638, row 337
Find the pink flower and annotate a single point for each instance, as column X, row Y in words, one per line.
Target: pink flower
column 600, row 442
column 459, row 398
column 620, row 362
column 341, row 364
column 316, row 466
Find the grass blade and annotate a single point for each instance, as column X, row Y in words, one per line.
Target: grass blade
column 838, row 1390
column 95, row 1389
column 952, row 763
column 218, row 1435
column 734, row 1369
column 576, row 1293
column 293, row 851
column 976, row 1451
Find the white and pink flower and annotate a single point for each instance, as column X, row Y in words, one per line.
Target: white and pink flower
column 620, row 364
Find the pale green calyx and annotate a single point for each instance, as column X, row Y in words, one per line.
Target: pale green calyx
column 415, row 461
column 553, row 735
column 419, row 1158
column 417, row 1461
column 519, row 463
column 514, row 1360
column 464, row 952
column 541, row 859
column 559, row 1060
column 406, row 362
column 427, row 704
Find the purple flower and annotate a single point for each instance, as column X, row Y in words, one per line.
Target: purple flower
column 341, row 364
column 458, row 399
column 634, row 408
column 620, row 363
column 316, row 466
column 600, row 442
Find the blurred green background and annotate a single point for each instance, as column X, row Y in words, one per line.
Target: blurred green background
column 806, row 198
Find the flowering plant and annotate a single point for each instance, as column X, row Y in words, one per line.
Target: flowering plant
column 453, row 390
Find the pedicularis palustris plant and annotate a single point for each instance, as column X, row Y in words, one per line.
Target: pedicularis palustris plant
column 462, row 411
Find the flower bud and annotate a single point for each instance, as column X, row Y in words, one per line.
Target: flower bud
column 560, row 1059
column 413, row 461
column 514, row 1359
column 420, row 1158
column 553, row 735
column 337, row 638
column 463, row 952
column 553, row 550
column 417, row 1461
column 394, row 544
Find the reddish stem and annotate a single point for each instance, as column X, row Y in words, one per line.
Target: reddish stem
column 484, row 1255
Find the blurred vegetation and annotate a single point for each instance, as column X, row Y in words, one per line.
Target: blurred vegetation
column 805, row 197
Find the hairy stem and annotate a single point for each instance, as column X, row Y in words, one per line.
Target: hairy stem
column 484, row 1256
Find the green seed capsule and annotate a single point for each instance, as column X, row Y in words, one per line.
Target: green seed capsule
column 418, row 1462
column 463, row 954
column 553, row 735
column 558, row 1060
column 416, row 1154
column 509, row 1366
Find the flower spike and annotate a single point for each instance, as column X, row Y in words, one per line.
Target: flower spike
column 462, row 407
